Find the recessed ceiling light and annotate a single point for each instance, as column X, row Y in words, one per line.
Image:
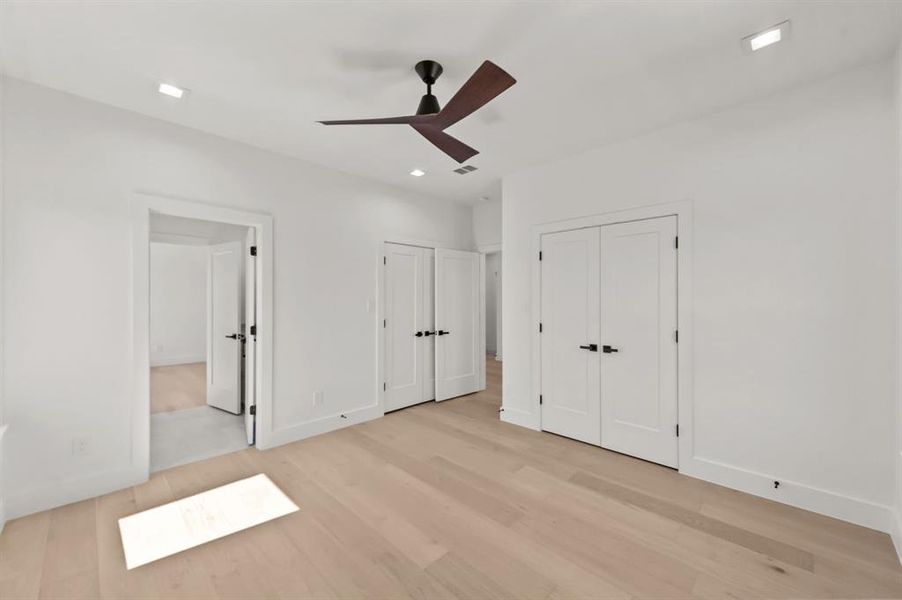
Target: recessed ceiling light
column 768, row 37
column 171, row 90
column 417, row 173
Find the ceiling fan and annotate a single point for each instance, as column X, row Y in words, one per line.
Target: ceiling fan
column 431, row 120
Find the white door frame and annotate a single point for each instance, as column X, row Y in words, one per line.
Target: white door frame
column 143, row 205
column 683, row 211
column 380, row 312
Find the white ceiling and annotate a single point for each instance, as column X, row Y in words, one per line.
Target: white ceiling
column 588, row 72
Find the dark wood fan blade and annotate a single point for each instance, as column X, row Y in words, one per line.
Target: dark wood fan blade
column 486, row 83
column 384, row 121
column 453, row 147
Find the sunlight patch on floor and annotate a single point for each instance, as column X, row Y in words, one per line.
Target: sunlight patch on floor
column 166, row 530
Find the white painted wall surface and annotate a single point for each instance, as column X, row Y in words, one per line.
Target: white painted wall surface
column 492, row 273
column 178, row 304
column 487, row 223
column 795, row 261
column 71, row 168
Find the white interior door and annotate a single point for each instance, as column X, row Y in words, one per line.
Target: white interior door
column 250, row 333
column 225, row 290
column 404, row 305
column 460, row 339
column 570, row 334
column 638, row 327
column 427, row 343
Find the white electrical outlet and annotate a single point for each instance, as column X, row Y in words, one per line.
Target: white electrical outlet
column 80, row 446
column 317, row 398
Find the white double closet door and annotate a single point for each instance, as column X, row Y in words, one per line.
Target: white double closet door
column 609, row 345
column 434, row 345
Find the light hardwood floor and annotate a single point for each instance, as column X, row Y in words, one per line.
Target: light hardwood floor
column 442, row 500
column 177, row 387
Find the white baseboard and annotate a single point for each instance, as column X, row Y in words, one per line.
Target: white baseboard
column 183, row 359
column 896, row 534
column 832, row 504
column 300, row 431
column 60, row 493
column 519, row 417
column 2, row 516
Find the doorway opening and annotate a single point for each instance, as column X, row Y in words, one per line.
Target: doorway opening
column 493, row 305
column 202, row 297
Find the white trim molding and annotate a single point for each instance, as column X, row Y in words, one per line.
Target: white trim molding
column 184, row 359
column 847, row 508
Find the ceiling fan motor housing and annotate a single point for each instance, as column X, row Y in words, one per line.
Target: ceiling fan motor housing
column 429, row 71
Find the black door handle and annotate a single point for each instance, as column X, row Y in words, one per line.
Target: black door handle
column 441, row 332
column 590, row 347
column 428, row 333
column 419, row 334
column 608, row 349
column 236, row 336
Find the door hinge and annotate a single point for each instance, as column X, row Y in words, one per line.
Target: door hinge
column 676, row 336
column 540, row 255
column 252, row 409
column 384, row 260
column 384, row 323
column 540, row 398
column 253, row 330
column 253, row 251
column 676, row 242
column 384, row 386
column 540, row 327
column 678, row 430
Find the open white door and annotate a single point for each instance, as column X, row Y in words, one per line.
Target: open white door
column 638, row 338
column 250, row 335
column 225, row 290
column 460, row 341
column 570, row 335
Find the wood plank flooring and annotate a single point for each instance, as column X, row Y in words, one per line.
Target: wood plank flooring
column 177, row 387
column 442, row 500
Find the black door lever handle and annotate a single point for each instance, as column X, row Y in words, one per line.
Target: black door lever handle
column 590, row 347
column 419, row 334
column 608, row 349
column 441, row 332
column 428, row 333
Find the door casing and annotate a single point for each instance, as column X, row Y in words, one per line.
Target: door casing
column 142, row 205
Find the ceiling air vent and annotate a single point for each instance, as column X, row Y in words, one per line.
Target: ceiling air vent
column 465, row 170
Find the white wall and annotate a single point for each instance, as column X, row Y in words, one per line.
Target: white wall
column 492, row 324
column 178, row 304
column 71, row 167
column 795, row 210
column 487, row 223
